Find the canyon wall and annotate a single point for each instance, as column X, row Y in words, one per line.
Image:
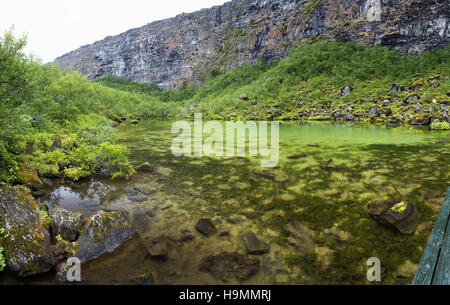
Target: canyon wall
column 187, row 49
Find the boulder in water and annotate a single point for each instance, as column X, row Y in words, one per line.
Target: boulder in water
column 26, row 239
column 300, row 236
column 274, row 175
column 400, row 216
column 101, row 233
column 337, row 237
column 228, row 266
column 252, row 244
column 206, row 227
column 297, row 156
column 66, row 223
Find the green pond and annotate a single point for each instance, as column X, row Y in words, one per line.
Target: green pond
column 334, row 171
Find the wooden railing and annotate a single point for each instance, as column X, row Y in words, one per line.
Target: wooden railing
column 434, row 267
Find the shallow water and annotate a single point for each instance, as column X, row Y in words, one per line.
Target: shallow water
column 342, row 169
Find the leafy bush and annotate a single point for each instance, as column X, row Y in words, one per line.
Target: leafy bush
column 440, row 126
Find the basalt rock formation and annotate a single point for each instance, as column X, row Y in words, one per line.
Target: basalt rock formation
column 187, row 49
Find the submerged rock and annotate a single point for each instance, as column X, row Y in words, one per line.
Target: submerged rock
column 425, row 228
column 146, row 168
column 300, row 236
column 26, row 240
column 274, row 175
column 66, row 223
column 206, row 227
column 337, row 237
column 228, row 266
column 140, row 193
column 297, row 156
column 252, row 244
column 407, row 270
column 186, row 235
column 144, row 279
column 324, row 256
column 159, row 250
column 402, row 217
column 102, row 232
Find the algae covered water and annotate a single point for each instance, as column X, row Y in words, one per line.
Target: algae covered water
column 333, row 171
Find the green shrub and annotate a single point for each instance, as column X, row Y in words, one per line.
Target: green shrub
column 440, row 126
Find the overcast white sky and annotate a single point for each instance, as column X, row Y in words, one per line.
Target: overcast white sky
column 55, row 27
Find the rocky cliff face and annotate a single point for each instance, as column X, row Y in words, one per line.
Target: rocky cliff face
column 186, row 49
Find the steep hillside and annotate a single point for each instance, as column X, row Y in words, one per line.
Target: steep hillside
column 324, row 80
column 189, row 48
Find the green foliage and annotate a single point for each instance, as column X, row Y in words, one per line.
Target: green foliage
column 59, row 122
column 440, row 126
column 313, row 75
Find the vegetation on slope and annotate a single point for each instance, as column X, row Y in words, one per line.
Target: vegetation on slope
column 386, row 87
column 57, row 123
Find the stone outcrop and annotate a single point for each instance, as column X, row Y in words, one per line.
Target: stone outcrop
column 26, row 240
column 66, row 224
column 101, row 233
column 186, row 49
column 35, row 240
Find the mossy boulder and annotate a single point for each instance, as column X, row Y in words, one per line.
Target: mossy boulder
column 101, row 233
column 66, row 224
column 26, row 240
column 28, row 176
column 400, row 216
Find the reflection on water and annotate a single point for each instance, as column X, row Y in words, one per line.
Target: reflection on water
column 86, row 197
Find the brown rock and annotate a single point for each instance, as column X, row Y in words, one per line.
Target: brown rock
column 404, row 221
column 159, row 250
column 252, row 244
column 228, row 266
column 336, row 237
column 206, row 227
column 300, row 236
